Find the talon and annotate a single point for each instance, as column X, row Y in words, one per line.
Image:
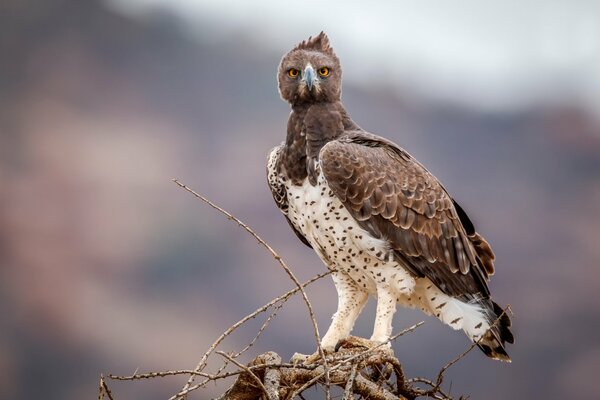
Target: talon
column 354, row 342
column 298, row 358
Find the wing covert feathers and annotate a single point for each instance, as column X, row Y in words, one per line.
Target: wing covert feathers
column 395, row 198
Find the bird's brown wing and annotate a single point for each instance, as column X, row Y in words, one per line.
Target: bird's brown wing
column 396, row 199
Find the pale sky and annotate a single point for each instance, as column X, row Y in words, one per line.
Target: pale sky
column 493, row 55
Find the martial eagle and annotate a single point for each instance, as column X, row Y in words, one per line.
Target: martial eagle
column 374, row 215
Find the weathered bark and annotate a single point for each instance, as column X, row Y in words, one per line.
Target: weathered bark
column 283, row 380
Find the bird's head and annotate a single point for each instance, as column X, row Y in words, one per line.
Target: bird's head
column 310, row 73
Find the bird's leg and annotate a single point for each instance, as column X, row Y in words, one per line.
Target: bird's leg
column 386, row 307
column 351, row 300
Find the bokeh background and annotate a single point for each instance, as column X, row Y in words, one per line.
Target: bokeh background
column 107, row 266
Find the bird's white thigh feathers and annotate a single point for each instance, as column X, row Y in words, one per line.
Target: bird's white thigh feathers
column 458, row 314
column 351, row 300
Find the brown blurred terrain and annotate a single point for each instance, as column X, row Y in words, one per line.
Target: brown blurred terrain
column 106, row 266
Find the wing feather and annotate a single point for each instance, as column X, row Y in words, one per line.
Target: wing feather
column 396, row 199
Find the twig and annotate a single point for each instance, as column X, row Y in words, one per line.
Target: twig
column 104, row 389
column 440, row 376
column 274, row 254
column 261, row 330
column 350, row 384
column 247, row 370
column 150, row 375
column 232, row 328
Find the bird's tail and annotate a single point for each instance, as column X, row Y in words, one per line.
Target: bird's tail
column 493, row 340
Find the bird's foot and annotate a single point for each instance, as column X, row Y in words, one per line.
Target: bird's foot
column 355, row 342
column 306, row 359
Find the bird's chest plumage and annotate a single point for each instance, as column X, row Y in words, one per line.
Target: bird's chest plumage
column 338, row 239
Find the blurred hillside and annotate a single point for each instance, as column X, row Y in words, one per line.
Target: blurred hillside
column 105, row 266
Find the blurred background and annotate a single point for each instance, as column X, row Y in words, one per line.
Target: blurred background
column 107, row 266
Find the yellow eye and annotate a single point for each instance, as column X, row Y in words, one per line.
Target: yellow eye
column 293, row 73
column 324, row 71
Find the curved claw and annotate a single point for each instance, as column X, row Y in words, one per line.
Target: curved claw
column 298, row 358
column 353, row 342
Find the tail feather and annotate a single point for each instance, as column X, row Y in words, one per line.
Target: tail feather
column 493, row 341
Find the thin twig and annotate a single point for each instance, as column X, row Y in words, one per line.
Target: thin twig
column 277, row 258
column 235, row 326
column 246, row 369
column 350, row 384
column 260, row 331
column 440, row 376
column 104, row 389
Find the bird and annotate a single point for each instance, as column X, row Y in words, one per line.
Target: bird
column 376, row 217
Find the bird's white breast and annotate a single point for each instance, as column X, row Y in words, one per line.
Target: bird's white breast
column 340, row 242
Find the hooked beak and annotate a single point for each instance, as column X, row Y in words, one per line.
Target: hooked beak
column 309, row 76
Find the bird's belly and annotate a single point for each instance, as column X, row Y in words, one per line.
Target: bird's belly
column 341, row 243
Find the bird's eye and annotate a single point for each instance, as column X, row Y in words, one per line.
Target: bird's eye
column 293, row 73
column 324, row 71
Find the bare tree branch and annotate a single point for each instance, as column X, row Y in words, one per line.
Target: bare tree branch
column 372, row 373
column 277, row 258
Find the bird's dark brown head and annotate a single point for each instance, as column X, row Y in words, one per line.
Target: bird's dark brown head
column 310, row 73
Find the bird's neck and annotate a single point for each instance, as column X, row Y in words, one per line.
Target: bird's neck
column 327, row 120
column 310, row 127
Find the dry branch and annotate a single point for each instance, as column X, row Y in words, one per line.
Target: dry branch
column 277, row 258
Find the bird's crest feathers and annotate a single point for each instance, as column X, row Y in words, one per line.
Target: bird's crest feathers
column 317, row 43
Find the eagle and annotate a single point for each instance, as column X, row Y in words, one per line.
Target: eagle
column 377, row 218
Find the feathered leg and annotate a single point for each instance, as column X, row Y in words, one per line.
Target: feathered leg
column 351, row 301
column 386, row 307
